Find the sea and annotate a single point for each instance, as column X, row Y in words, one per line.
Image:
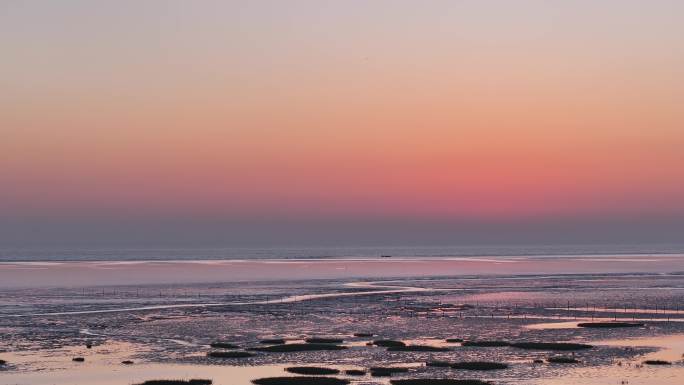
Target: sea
column 35, row 254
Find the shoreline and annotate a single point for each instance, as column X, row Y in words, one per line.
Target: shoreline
column 114, row 273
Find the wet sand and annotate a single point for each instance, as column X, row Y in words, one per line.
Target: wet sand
column 166, row 329
column 632, row 371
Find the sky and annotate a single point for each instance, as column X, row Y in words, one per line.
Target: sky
column 308, row 122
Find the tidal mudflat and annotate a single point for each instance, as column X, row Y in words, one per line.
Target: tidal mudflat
column 498, row 328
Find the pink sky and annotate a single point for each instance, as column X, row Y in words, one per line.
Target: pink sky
column 474, row 110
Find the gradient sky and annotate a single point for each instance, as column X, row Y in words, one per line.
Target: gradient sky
column 342, row 121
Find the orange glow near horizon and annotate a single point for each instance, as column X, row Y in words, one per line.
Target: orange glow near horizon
column 358, row 116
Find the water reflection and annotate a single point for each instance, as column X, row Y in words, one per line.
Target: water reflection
column 633, row 372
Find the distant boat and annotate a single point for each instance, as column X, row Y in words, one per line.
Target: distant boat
column 385, row 256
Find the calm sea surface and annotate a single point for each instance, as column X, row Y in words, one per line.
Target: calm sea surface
column 111, row 254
